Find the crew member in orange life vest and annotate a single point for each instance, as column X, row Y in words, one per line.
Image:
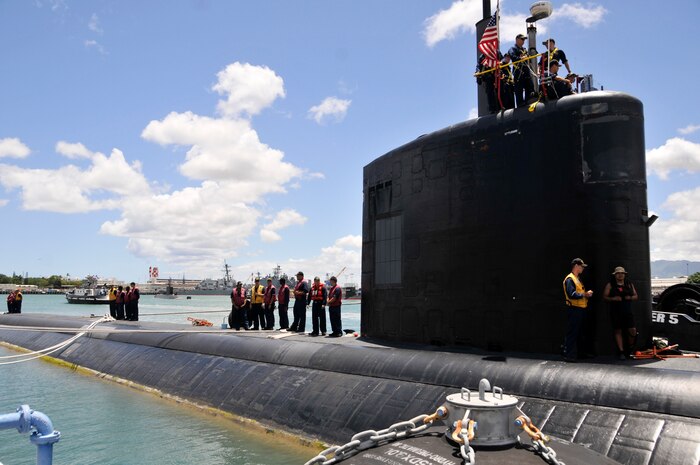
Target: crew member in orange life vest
column 18, row 301
column 11, row 302
column 283, row 301
column 300, row 304
column 239, row 306
column 335, row 296
column 576, row 297
column 269, row 299
column 135, row 296
column 121, row 297
column 317, row 297
column 127, row 303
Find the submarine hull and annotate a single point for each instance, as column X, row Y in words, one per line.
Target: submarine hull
column 468, row 232
column 333, row 390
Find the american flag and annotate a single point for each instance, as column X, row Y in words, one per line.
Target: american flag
column 488, row 45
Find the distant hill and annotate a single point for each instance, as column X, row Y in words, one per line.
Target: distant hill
column 671, row 268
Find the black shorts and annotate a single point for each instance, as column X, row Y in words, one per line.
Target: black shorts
column 622, row 319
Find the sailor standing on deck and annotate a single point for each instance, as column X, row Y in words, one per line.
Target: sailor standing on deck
column 11, row 302
column 300, row 292
column 113, row 302
column 318, row 297
column 269, row 305
column 121, row 301
column 257, row 295
column 576, row 297
column 620, row 292
column 18, row 301
column 335, row 296
column 127, row 303
column 135, row 296
column 238, row 316
column 283, row 300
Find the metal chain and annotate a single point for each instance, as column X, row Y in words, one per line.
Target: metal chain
column 371, row 438
column 547, row 453
column 466, row 450
column 538, row 439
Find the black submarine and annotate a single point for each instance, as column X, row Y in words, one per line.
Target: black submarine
column 467, row 235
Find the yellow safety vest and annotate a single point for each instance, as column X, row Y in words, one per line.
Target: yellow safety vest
column 583, row 302
column 255, row 298
column 112, row 294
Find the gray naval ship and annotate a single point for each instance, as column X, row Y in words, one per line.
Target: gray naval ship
column 463, row 371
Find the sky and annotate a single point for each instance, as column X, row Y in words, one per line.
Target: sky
column 185, row 133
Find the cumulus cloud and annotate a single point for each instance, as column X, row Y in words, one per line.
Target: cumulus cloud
column 70, row 189
column 268, row 235
column 460, row 17
column 689, row 129
column 584, row 16
column 248, row 89
column 236, row 170
column 678, row 238
column 194, row 227
column 225, row 150
column 353, row 242
column 198, row 225
column 12, row 147
column 331, row 108
column 473, row 113
column 73, row 150
column 512, row 25
column 676, row 154
column 283, row 219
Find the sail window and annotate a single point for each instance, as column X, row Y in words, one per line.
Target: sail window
column 388, row 250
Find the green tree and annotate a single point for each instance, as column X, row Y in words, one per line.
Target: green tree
column 54, row 281
column 694, row 278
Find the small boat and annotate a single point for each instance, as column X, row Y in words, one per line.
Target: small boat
column 89, row 295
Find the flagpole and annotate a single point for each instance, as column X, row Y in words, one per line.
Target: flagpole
column 497, row 73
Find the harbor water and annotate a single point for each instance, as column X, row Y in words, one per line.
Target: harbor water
column 102, row 422
column 213, row 308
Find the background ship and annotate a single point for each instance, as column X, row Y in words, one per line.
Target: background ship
column 222, row 286
column 89, row 293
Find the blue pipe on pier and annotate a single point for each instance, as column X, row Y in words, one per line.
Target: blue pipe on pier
column 44, row 435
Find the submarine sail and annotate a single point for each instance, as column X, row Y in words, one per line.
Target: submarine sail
column 468, row 232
